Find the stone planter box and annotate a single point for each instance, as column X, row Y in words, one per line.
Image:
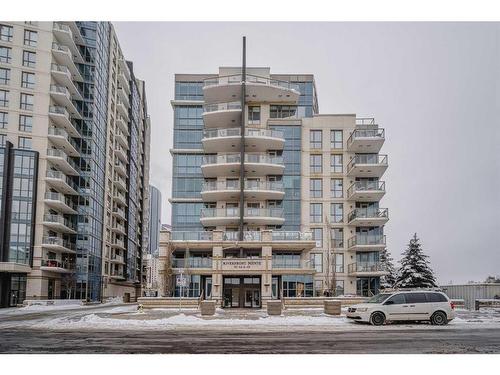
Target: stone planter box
column 207, row 308
column 332, row 307
column 274, row 307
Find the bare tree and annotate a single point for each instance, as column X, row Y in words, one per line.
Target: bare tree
column 330, row 276
column 166, row 272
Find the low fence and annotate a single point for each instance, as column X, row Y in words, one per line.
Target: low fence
column 168, row 302
column 319, row 302
column 52, row 302
column 494, row 303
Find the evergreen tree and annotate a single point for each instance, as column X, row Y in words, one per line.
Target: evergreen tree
column 387, row 281
column 415, row 271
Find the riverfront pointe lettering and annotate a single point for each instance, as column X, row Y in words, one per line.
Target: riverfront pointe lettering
column 242, row 264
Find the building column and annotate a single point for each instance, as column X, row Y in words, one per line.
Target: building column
column 266, row 278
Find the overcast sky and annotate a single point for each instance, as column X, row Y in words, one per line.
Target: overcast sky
column 434, row 87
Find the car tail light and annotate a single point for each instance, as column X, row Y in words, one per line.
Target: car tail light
column 452, row 305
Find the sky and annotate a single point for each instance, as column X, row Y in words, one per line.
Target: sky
column 434, row 87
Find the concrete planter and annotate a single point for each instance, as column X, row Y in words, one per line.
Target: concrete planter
column 332, row 307
column 274, row 307
column 207, row 308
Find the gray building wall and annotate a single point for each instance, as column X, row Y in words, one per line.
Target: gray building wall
column 470, row 292
column 154, row 219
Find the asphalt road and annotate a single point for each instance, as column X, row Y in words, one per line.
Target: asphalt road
column 475, row 340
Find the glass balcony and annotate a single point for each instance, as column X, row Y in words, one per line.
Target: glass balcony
column 57, row 266
column 367, row 165
column 58, row 244
column 63, row 162
column 369, row 216
column 61, row 182
column 366, row 191
column 192, row 236
column 366, row 139
column 366, row 269
column 224, row 216
column 255, row 165
column 256, row 140
column 366, row 241
column 193, row 262
column 291, row 236
column 59, row 223
column 60, row 202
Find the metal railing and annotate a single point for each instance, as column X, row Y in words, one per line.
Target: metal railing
column 377, row 133
column 193, row 262
column 250, row 78
column 362, row 240
column 374, row 159
column 59, row 47
column 53, row 240
column 207, row 108
column 247, row 236
column 368, row 213
column 60, row 90
column 58, row 219
column 192, row 236
column 291, row 262
column 236, row 132
column 235, row 185
column 366, row 186
column 57, row 175
column 60, row 68
column 58, row 264
column 58, row 110
column 235, row 158
column 365, row 121
column 235, row 212
column 62, row 27
column 119, row 211
column 365, row 267
column 53, row 196
column 291, row 236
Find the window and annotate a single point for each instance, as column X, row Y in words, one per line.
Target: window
column 253, row 115
column 24, row 142
column 6, row 33
column 26, row 102
column 397, row 299
column 30, row 38
column 4, row 98
column 316, row 261
column 339, row 263
column 283, row 111
column 286, row 260
column 298, row 285
column 415, row 298
column 316, row 187
column 25, row 123
column 316, row 213
column 337, row 212
column 337, row 237
column 318, row 288
column 4, row 76
column 336, row 140
column 336, row 188
column 3, row 138
column 436, row 297
column 316, row 163
column 4, row 120
column 28, row 80
column 336, row 163
column 315, row 139
column 317, row 234
column 5, row 54
column 339, row 284
column 29, row 59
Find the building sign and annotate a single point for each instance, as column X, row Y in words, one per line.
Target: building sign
column 235, row 264
column 182, row 281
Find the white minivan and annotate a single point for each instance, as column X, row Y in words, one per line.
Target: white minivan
column 403, row 306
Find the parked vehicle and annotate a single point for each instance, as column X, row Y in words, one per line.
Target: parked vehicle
column 431, row 306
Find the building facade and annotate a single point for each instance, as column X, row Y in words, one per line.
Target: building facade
column 270, row 199
column 154, row 220
column 70, row 104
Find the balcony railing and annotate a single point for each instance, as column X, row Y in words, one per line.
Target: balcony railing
column 221, row 107
column 58, row 219
column 195, row 262
column 366, row 186
column 58, row 264
column 247, row 236
column 60, row 68
column 59, row 47
column 235, row 158
column 192, row 236
column 291, row 236
column 57, row 175
column 365, row 121
column 235, row 212
column 376, row 133
column 363, row 240
column 367, row 159
column 57, row 241
column 58, row 110
column 60, row 90
column 237, row 78
column 236, row 132
column 368, row 213
column 53, row 196
column 365, row 267
column 292, row 262
column 235, row 185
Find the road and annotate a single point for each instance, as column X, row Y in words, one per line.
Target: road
column 477, row 340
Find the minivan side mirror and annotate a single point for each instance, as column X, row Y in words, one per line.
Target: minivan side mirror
column 389, row 303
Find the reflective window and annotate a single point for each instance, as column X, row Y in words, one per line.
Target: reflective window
column 253, row 115
column 316, row 163
column 316, row 213
column 336, row 141
column 397, row 299
column 25, row 123
column 336, row 163
column 337, row 212
column 28, row 80
column 24, row 143
column 298, row 286
column 5, row 55
column 316, row 260
column 316, row 187
column 6, row 33
column 317, row 235
column 29, row 59
column 26, row 101
column 30, row 38
column 339, row 263
column 4, row 98
column 315, row 139
column 415, row 298
column 283, row 111
column 188, row 90
column 4, row 76
column 4, row 120
column 336, row 188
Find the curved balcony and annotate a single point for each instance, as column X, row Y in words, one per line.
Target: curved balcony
column 60, row 202
column 258, row 89
column 119, row 244
column 222, row 115
column 229, row 165
column 366, row 242
column 367, row 165
column 58, row 244
column 256, row 140
column 229, row 190
column 366, row 139
column 366, row 269
column 368, row 216
column 366, row 191
column 229, row 216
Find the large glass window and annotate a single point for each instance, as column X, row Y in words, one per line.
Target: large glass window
column 339, row 287
column 188, row 90
column 4, row 120
column 6, row 33
column 286, row 260
column 30, row 38
column 5, row 55
column 317, row 234
column 283, row 111
column 315, row 139
column 298, row 286
column 4, row 98
column 336, row 188
column 337, row 237
column 193, row 290
column 336, row 163
column 337, row 212
column 336, row 139
column 28, row 80
column 26, row 101
column 316, row 163
column 25, row 123
column 253, row 115
column 24, row 143
column 29, row 59
column 316, row 187
column 339, row 263
column 316, row 213
column 187, row 164
column 4, row 76
column 316, row 260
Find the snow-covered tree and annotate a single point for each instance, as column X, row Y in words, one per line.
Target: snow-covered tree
column 415, row 271
column 387, row 281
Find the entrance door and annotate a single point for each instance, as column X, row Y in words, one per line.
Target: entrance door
column 256, row 298
column 252, row 298
column 51, row 287
column 248, row 298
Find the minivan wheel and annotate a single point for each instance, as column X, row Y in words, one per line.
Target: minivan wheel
column 377, row 319
column 439, row 318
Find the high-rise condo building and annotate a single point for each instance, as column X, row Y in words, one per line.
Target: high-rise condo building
column 154, row 219
column 270, row 199
column 74, row 163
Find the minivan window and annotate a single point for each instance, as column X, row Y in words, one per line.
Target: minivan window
column 397, row 299
column 415, row 297
column 379, row 298
column 436, row 297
